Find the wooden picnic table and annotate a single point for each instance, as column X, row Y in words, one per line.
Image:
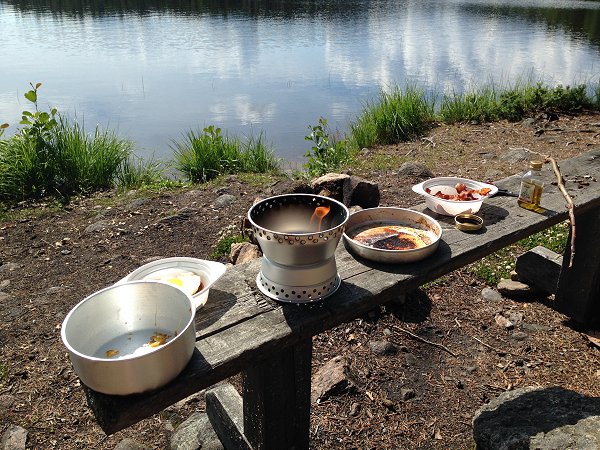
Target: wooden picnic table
column 240, row 330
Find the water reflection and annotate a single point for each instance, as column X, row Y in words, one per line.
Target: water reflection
column 153, row 70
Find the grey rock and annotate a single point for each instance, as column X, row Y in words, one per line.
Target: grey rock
column 14, row 438
column 516, row 155
column 534, row 327
column 54, row 290
column 363, row 193
column 130, row 444
column 195, row 433
column 6, row 402
column 517, row 290
column 96, row 226
column 407, row 394
column 382, row 348
column 4, row 284
column 519, row 336
column 137, row 202
column 4, row 296
column 333, row 378
column 224, row 200
column 515, row 317
column 538, row 418
column 493, row 174
column 413, row 169
column 9, row 267
column 491, row 294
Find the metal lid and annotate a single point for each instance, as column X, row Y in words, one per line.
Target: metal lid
column 535, row 165
column 468, row 222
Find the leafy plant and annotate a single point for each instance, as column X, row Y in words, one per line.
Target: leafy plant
column 326, row 153
column 223, row 246
column 38, row 124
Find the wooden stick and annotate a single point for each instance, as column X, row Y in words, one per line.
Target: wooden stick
column 561, row 185
column 418, row 338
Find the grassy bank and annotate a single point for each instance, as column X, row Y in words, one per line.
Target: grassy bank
column 51, row 155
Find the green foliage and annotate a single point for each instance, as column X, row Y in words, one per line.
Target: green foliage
column 37, row 124
column 223, row 247
column 136, row 173
column 396, row 116
column 52, row 156
column 202, row 157
column 86, row 162
column 326, row 154
column 513, row 103
column 480, row 106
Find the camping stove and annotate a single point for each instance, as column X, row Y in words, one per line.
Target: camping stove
column 298, row 235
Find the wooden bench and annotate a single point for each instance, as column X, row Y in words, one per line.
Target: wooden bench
column 240, row 330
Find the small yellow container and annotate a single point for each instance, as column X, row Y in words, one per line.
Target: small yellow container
column 468, row 222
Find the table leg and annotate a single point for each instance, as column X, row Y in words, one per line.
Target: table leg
column 277, row 400
column 578, row 291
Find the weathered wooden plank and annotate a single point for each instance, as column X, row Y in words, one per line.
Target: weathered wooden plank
column 238, row 334
column 540, row 267
column 277, row 400
column 225, row 412
column 578, row 292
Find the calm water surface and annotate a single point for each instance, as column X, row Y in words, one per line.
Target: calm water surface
column 153, row 70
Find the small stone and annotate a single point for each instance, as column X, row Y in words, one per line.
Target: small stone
column 413, row 169
column 354, row 409
column 224, row 200
column 387, row 331
column 534, row 327
column 96, row 226
column 491, row 294
column 4, row 284
column 14, row 438
column 8, row 267
column 516, row 289
column 130, row 444
column 407, row 394
column 65, row 252
column 194, row 433
column 519, row 336
column 514, row 276
column 503, row 322
column 382, row 348
column 243, row 252
column 389, row 404
column 470, row 369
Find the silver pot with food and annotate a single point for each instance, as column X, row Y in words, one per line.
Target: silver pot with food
column 132, row 337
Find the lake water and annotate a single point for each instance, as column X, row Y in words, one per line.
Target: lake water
column 153, row 70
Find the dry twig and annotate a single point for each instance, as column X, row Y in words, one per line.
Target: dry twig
column 435, row 344
column 561, row 185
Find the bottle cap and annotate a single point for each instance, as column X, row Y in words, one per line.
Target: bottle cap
column 468, row 222
column 535, row 165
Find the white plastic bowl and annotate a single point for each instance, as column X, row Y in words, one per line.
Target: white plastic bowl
column 209, row 272
column 446, row 186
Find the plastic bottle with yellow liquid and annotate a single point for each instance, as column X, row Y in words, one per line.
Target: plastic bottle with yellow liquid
column 532, row 187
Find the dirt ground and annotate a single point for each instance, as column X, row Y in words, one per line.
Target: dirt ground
column 51, row 258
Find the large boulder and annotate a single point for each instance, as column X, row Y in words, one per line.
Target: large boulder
column 538, row 418
column 348, row 189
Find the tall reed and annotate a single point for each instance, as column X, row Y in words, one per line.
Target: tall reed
column 398, row 115
column 204, row 156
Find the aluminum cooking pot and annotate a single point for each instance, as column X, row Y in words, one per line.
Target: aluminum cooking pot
column 131, row 337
